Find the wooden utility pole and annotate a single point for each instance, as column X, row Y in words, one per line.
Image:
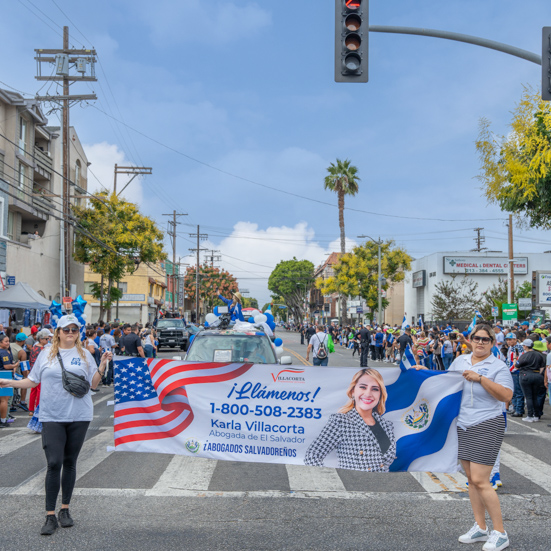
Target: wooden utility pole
column 511, row 286
column 200, row 237
column 213, row 257
column 62, row 59
column 173, row 223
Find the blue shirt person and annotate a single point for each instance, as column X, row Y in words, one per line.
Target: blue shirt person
column 234, row 306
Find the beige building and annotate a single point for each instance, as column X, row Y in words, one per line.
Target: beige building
column 394, row 313
column 30, row 205
column 143, row 295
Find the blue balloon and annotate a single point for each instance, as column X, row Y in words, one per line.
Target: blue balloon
column 191, row 340
column 269, row 316
column 271, row 325
column 206, row 324
column 278, row 342
column 251, row 320
column 215, row 311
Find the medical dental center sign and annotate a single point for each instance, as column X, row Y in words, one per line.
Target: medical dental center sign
column 280, row 414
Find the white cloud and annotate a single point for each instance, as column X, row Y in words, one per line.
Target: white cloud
column 215, row 22
column 103, row 157
column 251, row 253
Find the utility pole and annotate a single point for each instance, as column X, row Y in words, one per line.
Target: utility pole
column 133, row 170
column 511, row 286
column 62, row 61
column 479, row 240
column 173, row 223
column 213, row 257
column 200, row 237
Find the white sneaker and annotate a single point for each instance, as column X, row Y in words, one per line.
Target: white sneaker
column 475, row 534
column 528, row 419
column 496, row 542
column 535, row 419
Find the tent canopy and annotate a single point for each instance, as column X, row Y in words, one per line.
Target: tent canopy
column 23, row 295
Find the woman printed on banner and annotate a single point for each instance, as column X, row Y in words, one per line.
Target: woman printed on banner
column 363, row 438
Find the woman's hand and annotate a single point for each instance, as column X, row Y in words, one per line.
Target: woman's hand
column 419, row 367
column 5, row 383
column 107, row 357
column 471, row 376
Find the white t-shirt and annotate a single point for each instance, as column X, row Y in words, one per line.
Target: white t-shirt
column 500, row 338
column 316, row 340
column 107, row 342
column 478, row 405
column 56, row 404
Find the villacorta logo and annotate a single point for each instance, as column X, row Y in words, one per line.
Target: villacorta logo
column 289, row 375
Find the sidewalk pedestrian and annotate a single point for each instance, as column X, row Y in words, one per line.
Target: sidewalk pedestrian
column 319, row 346
column 530, row 366
column 64, row 416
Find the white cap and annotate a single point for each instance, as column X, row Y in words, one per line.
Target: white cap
column 44, row 334
column 69, row 319
column 528, row 342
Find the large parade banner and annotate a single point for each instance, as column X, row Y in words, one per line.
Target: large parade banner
column 292, row 415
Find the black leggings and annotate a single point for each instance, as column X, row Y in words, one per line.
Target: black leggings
column 62, row 443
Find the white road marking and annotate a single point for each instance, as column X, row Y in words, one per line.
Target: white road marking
column 315, row 479
column 526, row 465
column 13, row 442
column 184, row 473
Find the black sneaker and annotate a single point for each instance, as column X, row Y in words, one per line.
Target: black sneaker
column 94, row 390
column 3, row 424
column 50, row 526
column 65, row 519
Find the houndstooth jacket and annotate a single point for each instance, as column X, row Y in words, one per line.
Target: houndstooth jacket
column 357, row 447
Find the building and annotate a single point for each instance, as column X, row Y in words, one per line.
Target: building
column 324, row 307
column 30, row 196
column 484, row 268
column 143, row 295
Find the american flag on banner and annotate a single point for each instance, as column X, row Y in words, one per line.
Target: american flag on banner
column 151, row 401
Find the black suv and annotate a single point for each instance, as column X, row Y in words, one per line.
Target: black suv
column 172, row 333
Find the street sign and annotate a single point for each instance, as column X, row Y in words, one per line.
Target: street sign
column 359, row 310
column 510, row 312
column 525, row 304
column 495, row 311
column 543, row 288
column 10, row 280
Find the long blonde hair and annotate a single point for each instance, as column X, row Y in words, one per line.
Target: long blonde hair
column 55, row 345
column 350, row 392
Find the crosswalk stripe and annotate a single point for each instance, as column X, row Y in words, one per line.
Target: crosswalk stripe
column 184, row 473
column 436, row 483
column 526, row 465
column 316, row 479
column 92, row 454
column 11, row 443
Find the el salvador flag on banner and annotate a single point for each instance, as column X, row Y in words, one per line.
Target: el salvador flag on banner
column 424, row 406
column 404, row 322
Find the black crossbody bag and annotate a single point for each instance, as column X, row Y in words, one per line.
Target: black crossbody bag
column 74, row 384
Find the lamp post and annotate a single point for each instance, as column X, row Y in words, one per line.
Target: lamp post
column 379, row 278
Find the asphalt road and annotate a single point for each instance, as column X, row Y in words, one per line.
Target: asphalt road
column 148, row 501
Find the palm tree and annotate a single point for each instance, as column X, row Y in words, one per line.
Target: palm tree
column 342, row 178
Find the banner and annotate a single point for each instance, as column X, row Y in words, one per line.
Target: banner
column 291, row 415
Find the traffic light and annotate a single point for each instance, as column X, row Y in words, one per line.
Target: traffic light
column 351, row 40
column 546, row 65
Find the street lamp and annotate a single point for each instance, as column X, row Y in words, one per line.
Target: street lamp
column 380, row 278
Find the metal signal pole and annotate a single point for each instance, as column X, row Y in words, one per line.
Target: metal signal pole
column 173, row 223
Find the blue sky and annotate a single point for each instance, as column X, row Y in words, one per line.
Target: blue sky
column 248, row 88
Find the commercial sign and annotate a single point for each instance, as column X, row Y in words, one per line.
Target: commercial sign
column 543, row 288
column 495, row 311
column 483, row 265
column 510, row 312
column 524, row 304
column 419, row 278
column 132, row 298
column 299, row 415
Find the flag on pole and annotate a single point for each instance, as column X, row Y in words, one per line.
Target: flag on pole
column 428, row 403
column 477, row 314
column 404, row 322
column 421, row 324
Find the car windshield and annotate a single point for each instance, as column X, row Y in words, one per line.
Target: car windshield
column 163, row 324
column 194, row 329
column 231, row 348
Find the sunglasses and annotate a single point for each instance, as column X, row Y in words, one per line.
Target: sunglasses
column 482, row 340
column 68, row 330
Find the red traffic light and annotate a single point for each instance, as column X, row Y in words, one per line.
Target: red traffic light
column 353, row 4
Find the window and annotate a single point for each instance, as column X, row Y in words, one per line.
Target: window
column 11, row 225
column 22, row 175
column 123, row 286
column 88, row 287
column 22, row 135
column 1, row 165
column 77, row 173
column 1, row 216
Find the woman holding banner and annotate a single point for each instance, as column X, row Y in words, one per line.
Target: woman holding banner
column 480, row 429
column 66, row 372
column 364, row 440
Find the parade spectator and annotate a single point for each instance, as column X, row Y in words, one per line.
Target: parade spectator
column 512, row 354
column 319, row 346
column 7, row 363
column 530, row 367
column 19, row 352
column 65, row 418
column 480, row 429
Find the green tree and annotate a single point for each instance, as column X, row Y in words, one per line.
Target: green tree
column 114, row 239
column 455, row 300
column 516, row 168
column 291, row 280
column 250, row 302
column 211, row 279
column 496, row 295
column 356, row 273
column 342, row 178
